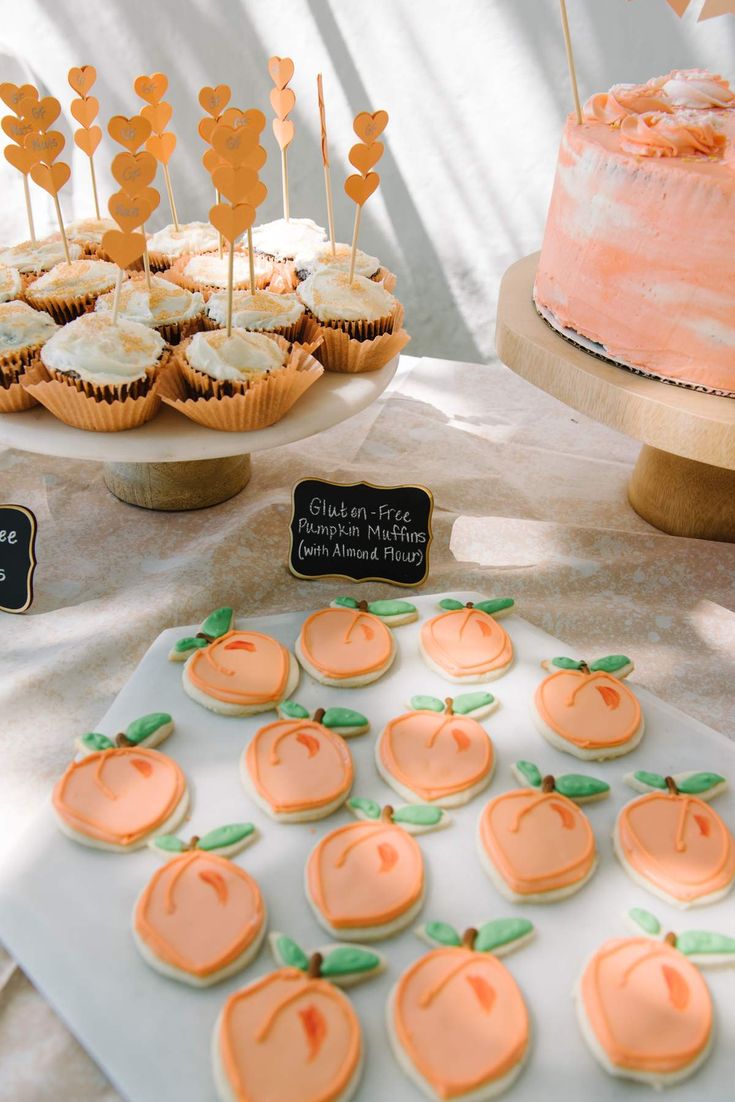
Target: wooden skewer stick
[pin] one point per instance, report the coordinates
(284, 174)
(94, 189)
(29, 208)
(170, 193)
(218, 200)
(570, 60)
(116, 299)
(230, 281)
(251, 259)
(65, 243)
(325, 162)
(355, 232)
(146, 260)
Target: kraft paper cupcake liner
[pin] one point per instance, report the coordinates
(290, 333)
(387, 278)
(240, 407)
(176, 274)
(62, 310)
(13, 397)
(177, 331)
(348, 355)
(284, 279)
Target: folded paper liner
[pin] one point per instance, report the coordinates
(370, 348)
(13, 396)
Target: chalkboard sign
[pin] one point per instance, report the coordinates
(17, 557)
(361, 532)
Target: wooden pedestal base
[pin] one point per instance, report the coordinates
(683, 497)
(172, 487)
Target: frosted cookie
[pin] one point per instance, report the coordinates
(300, 768)
(465, 643)
(350, 644)
(672, 843)
(292, 1034)
(149, 730)
(534, 842)
(234, 673)
(366, 881)
(457, 1022)
(644, 1009)
(438, 753)
(586, 710)
(200, 918)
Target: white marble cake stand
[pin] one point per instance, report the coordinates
(171, 463)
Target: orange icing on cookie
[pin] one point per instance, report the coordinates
(287, 1036)
(436, 755)
(466, 642)
(538, 841)
(119, 796)
(461, 1020)
(297, 765)
(199, 912)
(365, 874)
(590, 710)
(345, 642)
(647, 1005)
(241, 667)
(678, 843)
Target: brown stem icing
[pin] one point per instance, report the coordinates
(548, 784)
(387, 814)
(448, 706)
(319, 715)
(121, 739)
(672, 786)
(670, 939)
(468, 938)
(314, 970)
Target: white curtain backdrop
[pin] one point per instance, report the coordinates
(477, 91)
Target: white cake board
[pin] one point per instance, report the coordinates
(65, 910)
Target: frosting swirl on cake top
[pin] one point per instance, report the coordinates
(330, 296)
(89, 231)
(10, 283)
(240, 356)
(263, 310)
(320, 256)
(284, 240)
(99, 352)
(78, 278)
(656, 135)
(211, 269)
(38, 256)
(23, 327)
(191, 237)
(164, 303)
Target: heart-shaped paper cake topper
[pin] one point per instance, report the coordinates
(281, 70)
(231, 221)
(85, 111)
(42, 113)
(82, 79)
(211, 160)
(51, 177)
(129, 132)
(88, 140)
(123, 248)
(153, 88)
(360, 188)
(13, 94)
(234, 183)
(364, 156)
(252, 119)
(16, 128)
(161, 142)
(158, 115)
(47, 146)
(233, 146)
(283, 100)
(214, 100)
(129, 211)
(162, 146)
(134, 171)
(369, 127)
(136, 200)
(19, 156)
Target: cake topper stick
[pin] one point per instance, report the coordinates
(134, 203)
(46, 145)
(85, 111)
(161, 142)
(570, 59)
(16, 128)
(325, 162)
(282, 101)
(213, 101)
(364, 156)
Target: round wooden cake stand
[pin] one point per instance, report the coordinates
(684, 480)
(171, 463)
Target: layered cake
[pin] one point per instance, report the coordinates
(639, 250)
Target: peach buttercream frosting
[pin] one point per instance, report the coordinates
(23, 327)
(191, 237)
(329, 296)
(237, 358)
(263, 310)
(78, 278)
(164, 303)
(97, 351)
(677, 135)
(38, 256)
(285, 239)
(212, 269)
(10, 283)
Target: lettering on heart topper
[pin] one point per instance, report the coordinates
(160, 142)
(46, 145)
(283, 101)
(364, 156)
(17, 128)
(85, 110)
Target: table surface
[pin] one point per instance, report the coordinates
(530, 502)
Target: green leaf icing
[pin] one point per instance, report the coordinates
(576, 786)
(502, 931)
(170, 843)
(531, 772)
(225, 836)
(645, 920)
(610, 663)
(94, 741)
(343, 717)
(367, 807)
(427, 704)
(499, 605)
(345, 602)
(699, 782)
(189, 643)
(566, 663)
(471, 702)
(141, 729)
(293, 710)
(418, 815)
(451, 605)
(391, 608)
(700, 941)
(443, 933)
(292, 954)
(653, 780)
(347, 960)
(217, 623)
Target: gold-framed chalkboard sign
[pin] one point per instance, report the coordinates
(360, 531)
(17, 557)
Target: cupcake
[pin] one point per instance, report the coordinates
(318, 256)
(88, 234)
(169, 244)
(262, 312)
(238, 383)
(11, 283)
(23, 332)
(360, 323)
(98, 376)
(31, 258)
(174, 311)
(208, 272)
(69, 290)
(280, 241)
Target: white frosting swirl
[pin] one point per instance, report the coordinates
(320, 256)
(38, 256)
(261, 311)
(330, 296)
(284, 239)
(89, 231)
(211, 269)
(81, 277)
(191, 237)
(10, 283)
(102, 353)
(237, 357)
(697, 88)
(164, 303)
(23, 327)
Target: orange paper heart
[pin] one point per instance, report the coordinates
(214, 100)
(256, 158)
(281, 70)
(205, 128)
(369, 127)
(211, 160)
(257, 194)
(85, 111)
(22, 159)
(47, 146)
(232, 221)
(13, 94)
(233, 145)
(150, 196)
(360, 188)
(123, 248)
(134, 171)
(158, 116)
(153, 88)
(365, 157)
(129, 132)
(41, 112)
(16, 128)
(129, 211)
(51, 177)
(282, 101)
(88, 140)
(253, 119)
(234, 183)
(162, 146)
(82, 79)
(284, 132)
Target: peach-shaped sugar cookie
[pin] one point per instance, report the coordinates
(644, 1010)
(672, 843)
(300, 768)
(534, 842)
(200, 918)
(366, 881)
(586, 710)
(233, 672)
(437, 753)
(457, 1021)
(464, 643)
(292, 1034)
(350, 644)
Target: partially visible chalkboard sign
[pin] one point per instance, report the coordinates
(17, 557)
(361, 532)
